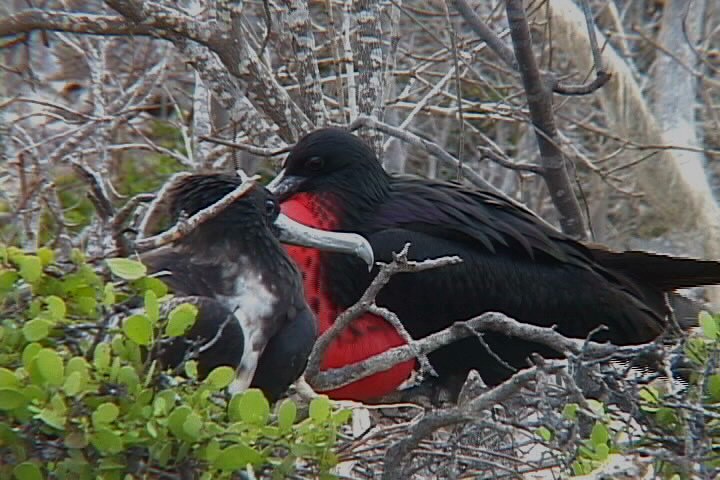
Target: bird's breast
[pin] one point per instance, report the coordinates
(313, 210)
(368, 335)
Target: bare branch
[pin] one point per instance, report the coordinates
(184, 227)
(541, 114)
(76, 22)
(431, 147)
(399, 264)
(487, 322)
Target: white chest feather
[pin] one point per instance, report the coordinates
(252, 305)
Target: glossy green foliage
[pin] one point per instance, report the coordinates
(81, 398)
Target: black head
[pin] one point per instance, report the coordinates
(198, 191)
(251, 214)
(251, 220)
(329, 159)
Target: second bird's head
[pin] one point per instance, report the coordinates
(255, 216)
(330, 159)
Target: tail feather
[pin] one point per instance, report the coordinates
(661, 271)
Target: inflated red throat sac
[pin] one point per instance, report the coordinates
(369, 335)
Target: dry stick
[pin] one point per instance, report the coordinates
(155, 209)
(255, 150)
(236, 55)
(308, 73)
(99, 195)
(458, 91)
(452, 416)
(184, 227)
(399, 264)
(541, 114)
(487, 322)
(430, 147)
(487, 35)
(30, 20)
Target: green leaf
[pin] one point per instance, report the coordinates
(251, 407)
(181, 319)
(86, 305)
(109, 294)
(212, 450)
(570, 411)
(27, 471)
(104, 414)
(50, 366)
(8, 378)
(649, 395)
(192, 426)
(342, 417)
(320, 408)
(76, 440)
(129, 377)
(36, 329)
(101, 358)
(46, 256)
(56, 307)
(596, 406)
(107, 441)
(126, 269)
(73, 384)
(29, 354)
(52, 418)
(7, 280)
(154, 284)
(601, 452)
(599, 435)
(77, 256)
(220, 377)
(191, 370)
(287, 412)
(30, 267)
(709, 326)
(152, 307)
(138, 329)
(713, 386)
(176, 421)
(10, 399)
(544, 433)
(237, 457)
(77, 364)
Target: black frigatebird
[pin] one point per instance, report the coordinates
(513, 262)
(252, 313)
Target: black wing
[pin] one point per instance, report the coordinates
(513, 263)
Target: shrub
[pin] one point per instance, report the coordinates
(81, 397)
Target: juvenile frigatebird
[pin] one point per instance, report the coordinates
(252, 313)
(513, 262)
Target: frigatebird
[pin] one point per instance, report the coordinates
(252, 314)
(513, 262)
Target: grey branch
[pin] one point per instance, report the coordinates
(487, 322)
(430, 147)
(185, 226)
(541, 114)
(466, 412)
(399, 264)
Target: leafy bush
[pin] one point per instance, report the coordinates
(81, 398)
(676, 429)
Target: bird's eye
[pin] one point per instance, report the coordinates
(270, 206)
(315, 164)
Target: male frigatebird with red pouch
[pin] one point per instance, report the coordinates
(252, 314)
(513, 262)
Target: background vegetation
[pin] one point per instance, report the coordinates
(103, 101)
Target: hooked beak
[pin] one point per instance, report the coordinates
(295, 233)
(284, 186)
